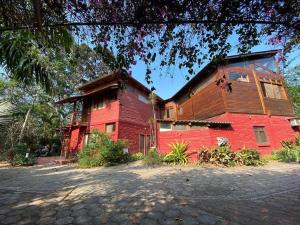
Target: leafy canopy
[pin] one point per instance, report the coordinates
(177, 32)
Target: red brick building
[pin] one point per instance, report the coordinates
(242, 98)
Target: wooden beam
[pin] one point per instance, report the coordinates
(261, 97)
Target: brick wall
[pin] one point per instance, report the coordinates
(134, 117)
(241, 133)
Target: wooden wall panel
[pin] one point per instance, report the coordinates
(204, 104)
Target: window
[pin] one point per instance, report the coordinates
(260, 135)
(272, 90)
(238, 76)
(180, 111)
(112, 96)
(98, 103)
(142, 98)
(179, 127)
(170, 112)
(197, 126)
(165, 126)
(110, 127)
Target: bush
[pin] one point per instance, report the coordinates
(290, 151)
(152, 158)
(178, 153)
(136, 156)
(248, 157)
(102, 151)
(223, 155)
(18, 156)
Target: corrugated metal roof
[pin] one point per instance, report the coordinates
(196, 121)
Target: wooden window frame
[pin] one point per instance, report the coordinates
(238, 72)
(257, 131)
(109, 124)
(272, 89)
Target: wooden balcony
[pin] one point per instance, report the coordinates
(75, 119)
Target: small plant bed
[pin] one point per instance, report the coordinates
(223, 156)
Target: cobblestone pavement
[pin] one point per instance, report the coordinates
(133, 194)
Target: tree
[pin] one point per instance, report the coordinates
(180, 32)
(293, 84)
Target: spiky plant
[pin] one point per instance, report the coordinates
(178, 154)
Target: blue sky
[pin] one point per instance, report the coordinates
(166, 86)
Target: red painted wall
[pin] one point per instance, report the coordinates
(134, 117)
(240, 134)
(277, 129)
(97, 120)
(130, 114)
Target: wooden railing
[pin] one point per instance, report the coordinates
(75, 118)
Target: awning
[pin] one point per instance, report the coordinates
(200, 122)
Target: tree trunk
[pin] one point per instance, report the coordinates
(24, 124)
(154, 125)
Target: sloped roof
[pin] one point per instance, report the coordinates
(213, 65)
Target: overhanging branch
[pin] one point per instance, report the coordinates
(140, 23)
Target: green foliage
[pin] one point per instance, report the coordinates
(290, 151)
(102, 151)
(248, 157)
(178, 154)
(153, 158)
(136, 156)
(224, 156)
(18, 157)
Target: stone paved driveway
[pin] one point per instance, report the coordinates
(133, 194)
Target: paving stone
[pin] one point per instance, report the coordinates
(47, 220)
(11, 219)
(65, 220)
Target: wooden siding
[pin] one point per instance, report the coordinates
(244, 97)
(204, 104)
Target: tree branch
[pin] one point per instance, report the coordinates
(140, 23)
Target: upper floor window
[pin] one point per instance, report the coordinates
(98, 103)
(272, 90)
(170, 112)
(260, 135)
(142, 98)
(238, 76)
(110, 127)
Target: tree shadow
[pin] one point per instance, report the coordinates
(134, 194)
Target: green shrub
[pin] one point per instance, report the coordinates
(223, 155)
(102, 151)
(153, 158)
(248, 157)
(290, 151)
(136, 156)
(178, 154)
(18, 156)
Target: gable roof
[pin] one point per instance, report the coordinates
(213, 65)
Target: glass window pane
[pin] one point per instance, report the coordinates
(179, 127)
(165, 125)
(238, 76)
(110, 127)
(260, 135)
(269, 91)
